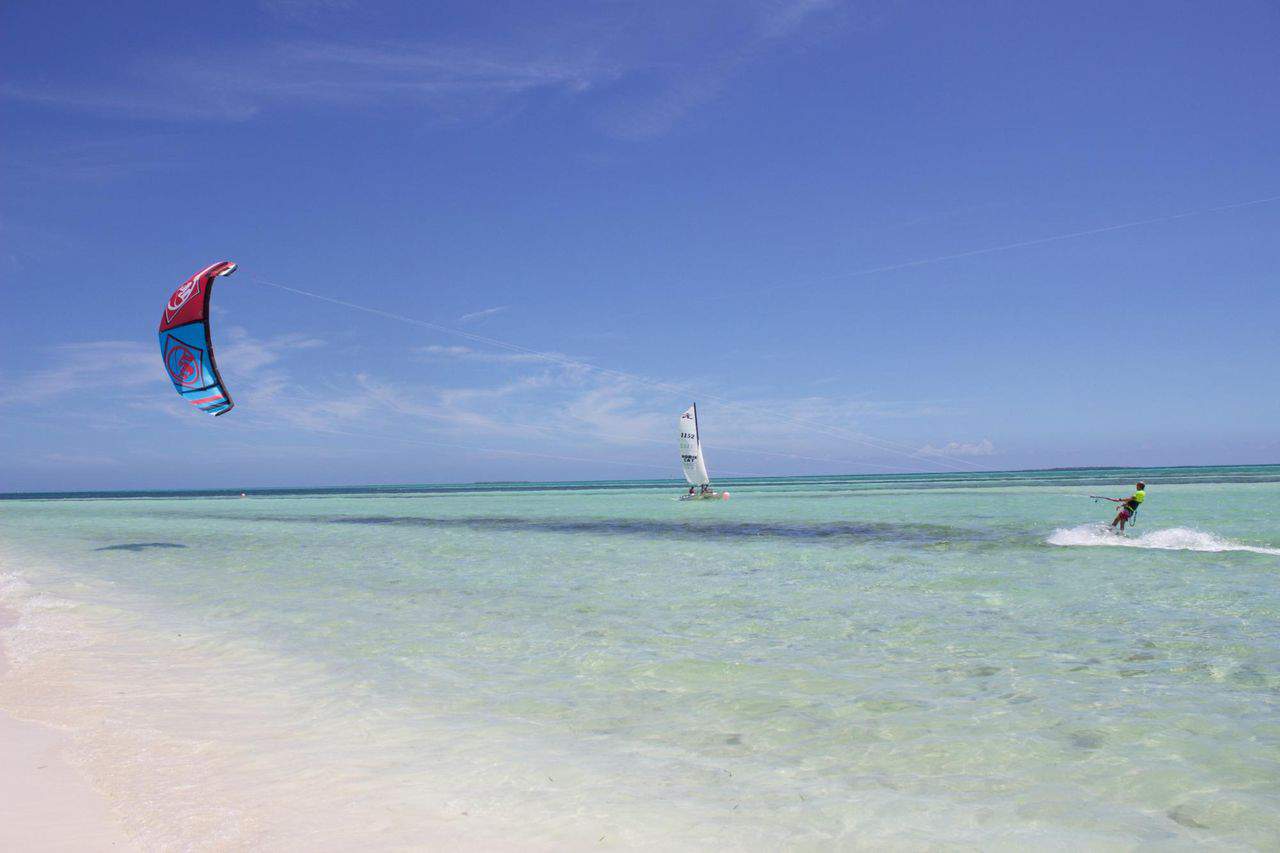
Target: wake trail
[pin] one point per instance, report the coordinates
(1169, 539)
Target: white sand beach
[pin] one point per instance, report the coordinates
(45, 804)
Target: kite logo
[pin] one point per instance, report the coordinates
(184, 363)
(180, 297)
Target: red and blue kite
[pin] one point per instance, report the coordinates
(186, 346)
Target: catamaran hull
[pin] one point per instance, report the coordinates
(713, 496)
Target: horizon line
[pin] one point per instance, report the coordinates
(654, 483)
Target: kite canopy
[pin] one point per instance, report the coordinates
(186, 345)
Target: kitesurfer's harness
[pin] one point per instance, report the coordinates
(1131, 503)
(1132, 506)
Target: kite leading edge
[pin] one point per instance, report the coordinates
(186, 345)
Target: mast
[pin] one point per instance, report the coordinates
(702, 460)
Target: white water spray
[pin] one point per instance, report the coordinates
(1169, 539)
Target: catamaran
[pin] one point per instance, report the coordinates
(691, 458)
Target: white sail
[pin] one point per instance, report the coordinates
(695, 466)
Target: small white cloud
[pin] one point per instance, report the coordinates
(305, 11)
(446, 352)
(78, 460)
(248, 354)
(961, 448)
(485, 313)
(435, 351)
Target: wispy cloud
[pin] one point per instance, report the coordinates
(960, 448)
(455, 81)
(620, 414)
(555, 407)
(530, 406)
(639, 75)
(712, 47)
(92, 161)
(95, 366)
(548, 409)
(113, 370)
(484, 313)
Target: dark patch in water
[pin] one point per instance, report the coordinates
(139, 546)
(1178, 815)
(692, 530)
(1087, 740)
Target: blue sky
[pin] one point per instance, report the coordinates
(780, 209)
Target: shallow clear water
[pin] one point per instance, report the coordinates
(872, 661)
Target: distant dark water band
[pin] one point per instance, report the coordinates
(692, 529)
(687, 530)
(140, 546)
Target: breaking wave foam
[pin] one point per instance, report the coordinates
(1170, 539)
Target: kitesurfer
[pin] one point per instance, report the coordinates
(1128, 506)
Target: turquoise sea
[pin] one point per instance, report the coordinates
(900, 662)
